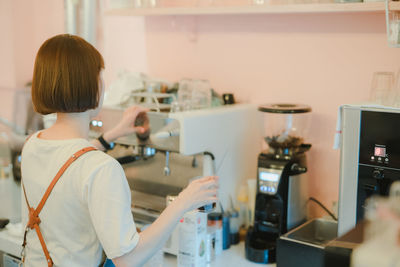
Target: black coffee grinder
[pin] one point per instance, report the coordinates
(281, 185)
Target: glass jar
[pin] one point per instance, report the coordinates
(285, 126)
(392, 23)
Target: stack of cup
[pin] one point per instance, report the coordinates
(192, 94)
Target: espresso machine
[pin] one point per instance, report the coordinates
(369, 158)
(281, 185)
(180, 146)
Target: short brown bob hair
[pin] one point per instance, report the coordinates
(66, 76)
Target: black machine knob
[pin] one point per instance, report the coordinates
(378, 174)
(298, 169)
(370, 188)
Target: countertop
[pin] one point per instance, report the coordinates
(234, 256)
(11, 243)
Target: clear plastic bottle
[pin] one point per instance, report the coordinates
(234, 227)
(234, 224)
(226, 233)
(242, 198)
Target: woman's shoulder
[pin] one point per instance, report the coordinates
(99, 159)
(97, 167)
(101, 171)
(99, 162)
(63, 149)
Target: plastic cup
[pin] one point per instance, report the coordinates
(382, 88)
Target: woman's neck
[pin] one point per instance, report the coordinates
(69, 126)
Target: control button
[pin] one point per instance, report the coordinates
(379, 158)
(372, 158)
(377, 174)
(386, 160)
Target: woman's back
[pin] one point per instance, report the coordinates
(90, 204)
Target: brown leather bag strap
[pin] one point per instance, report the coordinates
(44, 247)
(26, 198)
(34, 219)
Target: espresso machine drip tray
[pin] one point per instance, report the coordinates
(305, 246)
(149, 199)
(150, 187)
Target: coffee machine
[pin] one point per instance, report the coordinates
(182, 145)
(369, 158)
(281, 185)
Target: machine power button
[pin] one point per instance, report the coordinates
(377, 174)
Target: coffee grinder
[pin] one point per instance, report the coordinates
(281, 186)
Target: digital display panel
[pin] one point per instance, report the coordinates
(380, 151)
(269, 177)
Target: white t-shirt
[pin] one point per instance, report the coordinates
(88, 210)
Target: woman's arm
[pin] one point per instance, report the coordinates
(198, 193)
(125, 127)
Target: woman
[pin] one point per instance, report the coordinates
(89, 208)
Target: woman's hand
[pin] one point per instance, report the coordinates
(126, 125)
(198, 193)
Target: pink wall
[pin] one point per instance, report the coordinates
(24, 25)
(7, 65)
(323, 60)
(124, 45)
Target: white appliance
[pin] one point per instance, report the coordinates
(369, 158)
(224, 140)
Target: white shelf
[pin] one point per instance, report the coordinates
(260, 9)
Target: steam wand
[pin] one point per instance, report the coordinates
(167, 170)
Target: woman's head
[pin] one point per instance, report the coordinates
(66, 76)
